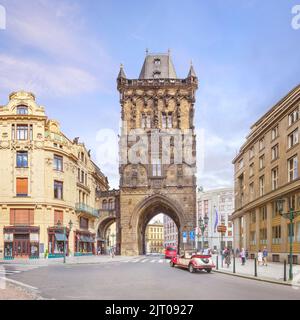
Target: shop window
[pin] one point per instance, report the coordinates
(22, 187)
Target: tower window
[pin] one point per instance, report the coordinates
(156, 74)
(157, 62)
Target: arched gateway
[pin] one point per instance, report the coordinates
(157, 151)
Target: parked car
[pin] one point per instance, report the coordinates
(193, 262)
(170, 252)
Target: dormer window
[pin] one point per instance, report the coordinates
(157, 62)
(22, 110)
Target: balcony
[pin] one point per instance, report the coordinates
(84, 208)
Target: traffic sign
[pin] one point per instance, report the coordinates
(222, 229)
(184, 237)
(192, 235)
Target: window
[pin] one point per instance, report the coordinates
(262, 162)
(156, 169)
(170, 121)
(58, 163)
(22, 187)
(251, 153)
(275, 152)
(293, 138)
(275, 133)
(252, 238)
(292, 169)
(22, 159)
(261, 143)
(253, 217)
(157, 62)
(104, 205)
(262, 185)
(146, 121)
(276, 235)
(164, 121)
(298, 231)
(294, 116)
(22, 132)
(22, 217)
(156, 74)
(263, 236)
(241, 164)
(251, 170)
(274, 175)
(263, 213)
(291, 231)
(84, 223)
(22, 110)
(275, 212)
(58, 217)
(58, 190)
(251, 188)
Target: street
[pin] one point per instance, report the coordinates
(144, 278)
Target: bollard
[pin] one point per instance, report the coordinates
(255, 267)
(284, 268)
(217, 263)
(233, 264)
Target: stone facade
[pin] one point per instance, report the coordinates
(267, 169)
(46, 182)
(155, 103)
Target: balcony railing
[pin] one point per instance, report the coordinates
(82, 207)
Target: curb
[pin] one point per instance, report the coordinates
(255, 278)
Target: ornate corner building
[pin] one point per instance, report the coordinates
(155, 105)
(49, 186)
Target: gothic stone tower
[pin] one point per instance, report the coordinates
(156, 104)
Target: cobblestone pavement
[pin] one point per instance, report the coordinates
(12, 292)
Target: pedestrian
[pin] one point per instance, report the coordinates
(226, 254)
(265, 256)
(237, 252)
(99, 251)
(243, 256)
(112, 252)
(247, 254)
(259, 257)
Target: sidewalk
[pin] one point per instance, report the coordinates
(272, 272)
(69, 260)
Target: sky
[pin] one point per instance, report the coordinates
(68, 53)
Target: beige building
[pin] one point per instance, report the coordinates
(267, 169)
(155, 238)
(49, 185)
(170, 232)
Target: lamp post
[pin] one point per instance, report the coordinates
(65, 235)
(203, 225)
(291, 215)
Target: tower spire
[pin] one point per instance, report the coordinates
(192, 72)
(122, 74)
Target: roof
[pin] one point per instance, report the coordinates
(158, 66)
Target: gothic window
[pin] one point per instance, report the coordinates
(156, 74)
(164, 121)
(156, 169)
(170, 120)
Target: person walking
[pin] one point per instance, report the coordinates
(243, 256)
(260, 258)
(112, 252)
(227, 257)
(265, 256)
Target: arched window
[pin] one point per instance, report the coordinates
(111, 204)
(22, 110)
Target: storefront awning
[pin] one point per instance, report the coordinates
(86, 239)
(60, 237)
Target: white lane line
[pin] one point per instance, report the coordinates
(19, 283)
(161, 261)
(9, 271)
(143, 261)
(153, 261)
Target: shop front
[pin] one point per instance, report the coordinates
(85, 243)
(21, 243)
(58, 242)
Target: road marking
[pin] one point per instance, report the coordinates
(19, 283)
(9, 271)
(161, 261)
(153, 261)
(143, 261)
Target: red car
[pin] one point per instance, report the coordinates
(193, 262)
(170, 252)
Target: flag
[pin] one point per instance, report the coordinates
(217, 220)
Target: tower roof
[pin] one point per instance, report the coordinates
(158, 66)
(192, 72)
(122, 73)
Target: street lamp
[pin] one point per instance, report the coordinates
(202, 225)
(291, 215)
(59, 224)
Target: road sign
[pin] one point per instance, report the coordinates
(222, 229)
(184, 237)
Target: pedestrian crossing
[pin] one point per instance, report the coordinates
(147, 260)
(9, 270)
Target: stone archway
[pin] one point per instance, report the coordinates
(103, 225)
(146, 210)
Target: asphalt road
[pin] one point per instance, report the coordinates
(150, 278)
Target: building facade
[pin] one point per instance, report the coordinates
(156, 104)
(217, 205)
(267, 169)
(155, 238)
(48, 185)
(170, 232)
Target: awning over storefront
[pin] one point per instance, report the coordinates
(60, 237)
(86, 239)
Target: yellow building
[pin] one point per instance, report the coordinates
(266, 170)
(48, 187)
(155, 238)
